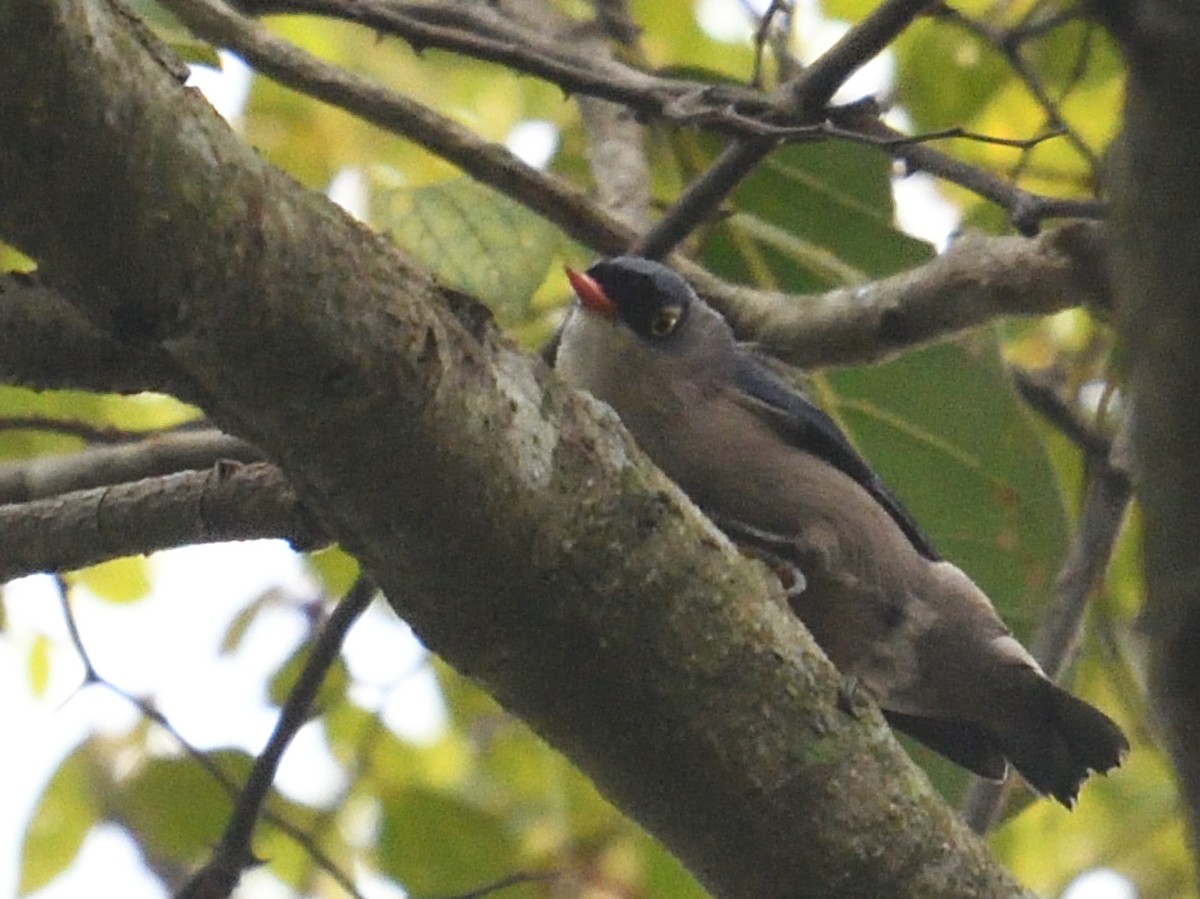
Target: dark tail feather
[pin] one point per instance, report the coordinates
(1059, 741)
(963, 742)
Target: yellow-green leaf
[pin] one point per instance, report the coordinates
(472, 238)
(39, 664)
(433, 843)
(336, 569)
(123, 580)
(64, 814)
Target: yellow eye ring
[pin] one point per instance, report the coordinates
(665, 320)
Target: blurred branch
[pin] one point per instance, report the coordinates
(161, 453)
(230, 501)
(1155, 189)
(69, 427)
(504, 883)
(615, 150)
(233, 853)
(1044, 400)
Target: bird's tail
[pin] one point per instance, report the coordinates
(1060, 741)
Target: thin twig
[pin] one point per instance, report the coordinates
(806, 96)
(1009, 46)
(1027, 211)
(766, 25)
(206, 764)
(71, 428)
(504, 883)
(233, 853)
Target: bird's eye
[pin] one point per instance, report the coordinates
(665, 320)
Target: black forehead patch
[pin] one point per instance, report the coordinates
(640, 288)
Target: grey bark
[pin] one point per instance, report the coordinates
(1156, 270)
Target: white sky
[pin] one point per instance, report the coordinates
(165, 645)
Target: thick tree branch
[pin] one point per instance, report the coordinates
(510, 520)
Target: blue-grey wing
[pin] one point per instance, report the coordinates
(808, 428)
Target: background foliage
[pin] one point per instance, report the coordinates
(485, 800)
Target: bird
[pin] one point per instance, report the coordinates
(784, 483)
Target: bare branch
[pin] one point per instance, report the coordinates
(228, 502)
(1008, 43)
(974, 281)
(1025, 210)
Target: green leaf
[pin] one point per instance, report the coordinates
(946, 76)
(433, 843)
(123, 580)
(945, 430)
(814, 216)
(237, 628)
(174, 808)
(64, 814)
(473, 239)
